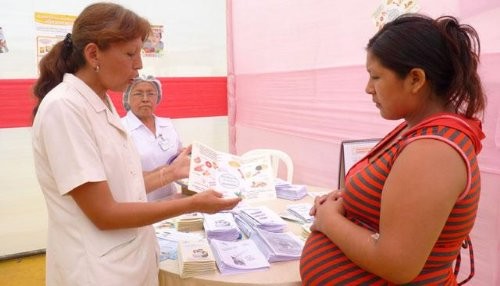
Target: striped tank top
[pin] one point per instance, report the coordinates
(323, 263)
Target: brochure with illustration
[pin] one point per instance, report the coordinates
(238, 256)
(278, 246)
(249, 177)
(195, 257)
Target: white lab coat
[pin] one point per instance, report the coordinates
(77, 139)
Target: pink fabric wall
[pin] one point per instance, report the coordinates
(296, 81)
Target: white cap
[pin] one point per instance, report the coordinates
(142, 78)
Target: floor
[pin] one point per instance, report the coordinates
(24, 271)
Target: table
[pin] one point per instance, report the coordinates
(284, 273)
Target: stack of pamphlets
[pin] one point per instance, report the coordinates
(301, 212)
(262, 217)
(238, 256)
(195, 257)
(168, 249)
(190, 222)
(174, 235)
(243, 225)
(288, 191)
(168, 238)
(221, 226)
(278, 246)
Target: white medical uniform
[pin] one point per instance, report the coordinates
(77, 139)
(155, 150)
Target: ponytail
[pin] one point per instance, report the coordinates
(462, 42)
(447, 51)
(100, 23)
(52, 68)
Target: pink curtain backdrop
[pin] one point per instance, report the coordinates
(296, 81)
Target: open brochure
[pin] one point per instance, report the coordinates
(250, 177)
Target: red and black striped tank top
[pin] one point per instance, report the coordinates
(323, 263)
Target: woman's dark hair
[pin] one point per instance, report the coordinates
(99, 23)
(447, 52)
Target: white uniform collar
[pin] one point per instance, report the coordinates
(134, 122)
(94, 100)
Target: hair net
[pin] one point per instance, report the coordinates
(143, 78)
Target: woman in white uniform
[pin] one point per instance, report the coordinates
(155, 137)
(88, 168)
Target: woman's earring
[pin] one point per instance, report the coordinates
(96, 68)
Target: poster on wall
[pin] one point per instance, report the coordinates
(154, 45)
(3, 42)
(50, 29)
(388, 10)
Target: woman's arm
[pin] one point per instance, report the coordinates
(418, 196)
(96, 201)
(164, 175)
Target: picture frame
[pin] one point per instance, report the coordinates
(351, 151)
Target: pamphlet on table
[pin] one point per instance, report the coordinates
(278, 246)
(195, 257)
(221, 226)
(238, 256)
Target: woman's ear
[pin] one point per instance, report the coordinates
(417, 79)
(90, 53)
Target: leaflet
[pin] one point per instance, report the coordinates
(250, 177)
(238, 256)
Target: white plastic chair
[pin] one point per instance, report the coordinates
(277, 156)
